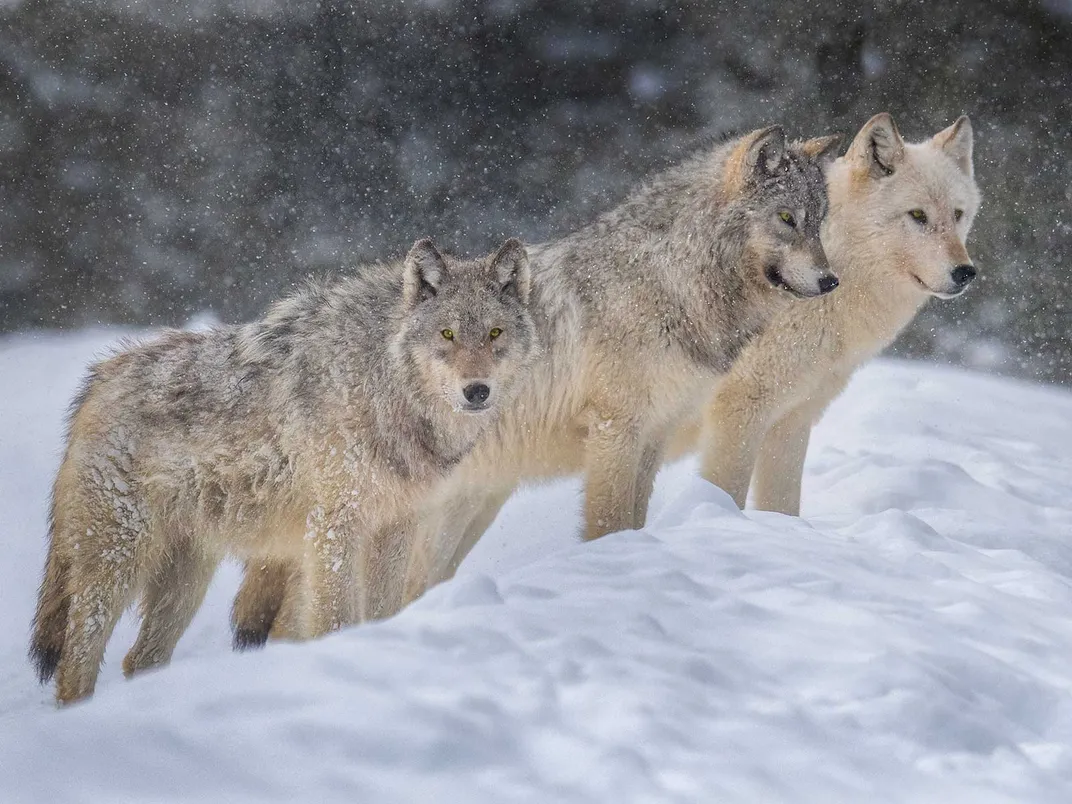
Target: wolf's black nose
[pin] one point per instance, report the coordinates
(963, 274)
(476, 393)
(827, 283)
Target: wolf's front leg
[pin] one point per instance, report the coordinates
(780, 464)
(651, 459)
(434, 522)
(460, 528)
(385, 557)
(613, 456)
(734, 425)
(270, 602)
(331, 565)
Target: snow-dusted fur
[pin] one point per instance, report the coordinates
(641, 312)
(899, 217)
(297, 436)
(889, 265)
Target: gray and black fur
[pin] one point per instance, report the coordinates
(679, 241)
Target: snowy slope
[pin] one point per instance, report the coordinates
(909, 640)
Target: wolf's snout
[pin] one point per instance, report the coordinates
(827, 283)
(962, 275)
(476, 393)
(802, 278)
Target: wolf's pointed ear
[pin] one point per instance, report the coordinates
(822, 149)
(424, 270)
(957, 142)
(754, 156)
(878, 147)
(510, 267)
(764, 151)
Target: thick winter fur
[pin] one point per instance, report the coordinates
(296, 437)
(641, 312)
(899, 217)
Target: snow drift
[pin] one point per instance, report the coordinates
(909, 639)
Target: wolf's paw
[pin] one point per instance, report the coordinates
(245, 638)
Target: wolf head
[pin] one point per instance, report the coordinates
(911, 204)
(781, 188)
(468, 330)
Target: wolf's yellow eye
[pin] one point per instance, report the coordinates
(448, 334)
(787, 217)
(958, 214)
(495, 333)
(918, 215)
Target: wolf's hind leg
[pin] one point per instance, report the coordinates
(101, 584)
(292, 618)
(172, 597)
(268, 604)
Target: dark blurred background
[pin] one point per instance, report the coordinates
(159, 159)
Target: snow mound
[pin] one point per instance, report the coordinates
(908, 640)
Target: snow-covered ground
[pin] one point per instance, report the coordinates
(908, 640)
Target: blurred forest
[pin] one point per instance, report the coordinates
(159, 158)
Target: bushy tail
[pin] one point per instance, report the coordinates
(53, 598)
(50, 621)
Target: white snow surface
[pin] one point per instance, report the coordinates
(908, 640)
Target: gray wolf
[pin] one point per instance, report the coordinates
(900, 214)
(640, 313)
(294, 437)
